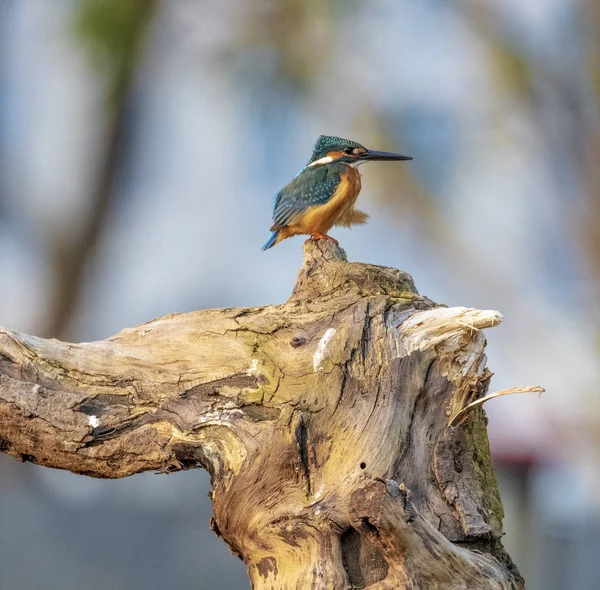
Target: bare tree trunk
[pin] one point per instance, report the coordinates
(73, 251)
(324, 423)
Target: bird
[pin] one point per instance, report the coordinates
(323, 193)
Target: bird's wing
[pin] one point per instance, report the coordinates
(313, 186)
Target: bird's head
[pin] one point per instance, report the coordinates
(335, 149)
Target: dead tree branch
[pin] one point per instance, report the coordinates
(324, 423)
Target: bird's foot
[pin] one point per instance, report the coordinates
(320, 236)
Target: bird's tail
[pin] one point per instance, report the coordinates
(271, 241)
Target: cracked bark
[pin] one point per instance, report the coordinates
(324, 424)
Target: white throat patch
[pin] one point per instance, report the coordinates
(357, 163)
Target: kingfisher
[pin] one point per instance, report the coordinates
(324, 191)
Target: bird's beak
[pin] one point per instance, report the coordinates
(373, 155)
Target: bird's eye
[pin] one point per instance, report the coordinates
(348, 150)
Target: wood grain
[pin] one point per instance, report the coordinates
(323, 423)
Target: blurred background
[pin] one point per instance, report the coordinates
(141, 143)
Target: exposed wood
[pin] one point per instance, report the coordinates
(461, 413)
(323, 423)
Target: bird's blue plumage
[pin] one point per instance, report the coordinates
(271, 241)
(327, 143)
(332, 161)
(313, 186)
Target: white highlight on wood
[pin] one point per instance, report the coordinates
(93, 421)
(320, 491)
(253, 370)
(425, 328)
(324, 160)
(219, 416)
(319, 355)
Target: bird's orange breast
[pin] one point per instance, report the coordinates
(339, 210)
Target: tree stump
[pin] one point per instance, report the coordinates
(324, 423)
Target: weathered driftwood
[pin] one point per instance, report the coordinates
(324, 423)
